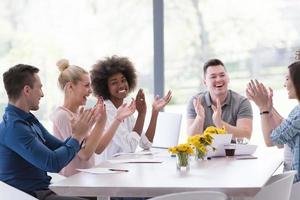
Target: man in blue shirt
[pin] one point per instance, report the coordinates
(27, 150)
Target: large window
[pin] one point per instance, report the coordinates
(41, 32)
(255, 39)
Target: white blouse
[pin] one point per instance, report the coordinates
(125, 139)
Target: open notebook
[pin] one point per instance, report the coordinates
(167, 130)
(221, 139)
(218, 143)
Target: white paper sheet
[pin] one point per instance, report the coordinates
(139, 153)
(101, 170)
(140, 160)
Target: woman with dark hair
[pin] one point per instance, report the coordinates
(113, 79)
(276, 130)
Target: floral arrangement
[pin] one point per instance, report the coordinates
(183, 151)
(214, 130)
(202, 141)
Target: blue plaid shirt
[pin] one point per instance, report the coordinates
(288, 132)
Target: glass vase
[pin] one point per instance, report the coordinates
(200, 155)
(183, 162)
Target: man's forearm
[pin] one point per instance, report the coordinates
(237, 131)
(195, 126)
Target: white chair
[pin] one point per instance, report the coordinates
(167, 129)
(195, 195)
(8, 192)
(295, 193)
(277, 188)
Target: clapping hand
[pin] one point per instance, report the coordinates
(100, 111)
(259, 94)
(217, 115)
(159, 103)
(198, 107)
(125, 110)
(83, 123)
(140, 102)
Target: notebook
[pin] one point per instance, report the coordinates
(167, 130)
(221, 139)
(218, 143)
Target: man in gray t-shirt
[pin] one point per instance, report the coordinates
(219, 106)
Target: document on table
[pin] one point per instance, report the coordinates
(143, 160)
(139, 153)
(102, 170)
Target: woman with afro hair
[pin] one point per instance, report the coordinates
(113, 79)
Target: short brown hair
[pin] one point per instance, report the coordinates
(294, 70)
(104, 69)
(17, 77)
(212, 62)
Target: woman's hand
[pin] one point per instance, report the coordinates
(100, 111)
(259, 94)
(125, 110)
(159, 103)
(82, 124)
(140, 102)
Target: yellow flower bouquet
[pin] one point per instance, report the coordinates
(214, 130)
(182, 151)
(202, 141)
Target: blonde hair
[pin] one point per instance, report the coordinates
(68, 73)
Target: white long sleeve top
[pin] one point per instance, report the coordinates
(125, 139)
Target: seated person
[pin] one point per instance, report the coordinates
(113, 79)
(27, 149)
(276, 130)
(75, 83)
(219, 106)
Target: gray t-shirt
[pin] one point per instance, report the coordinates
(235, 107)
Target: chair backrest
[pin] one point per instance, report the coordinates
(295, 193)
(194, 195)
(167, 129)
(277, 188)
(8, 192)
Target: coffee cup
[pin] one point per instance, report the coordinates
(229, 149)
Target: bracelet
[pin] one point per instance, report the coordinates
(264, 112)
(82, 144)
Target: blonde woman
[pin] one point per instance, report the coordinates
(74, 81)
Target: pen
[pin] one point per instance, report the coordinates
(119, 170)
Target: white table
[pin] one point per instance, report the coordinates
(234, 177)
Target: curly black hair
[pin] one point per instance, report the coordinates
(104, 69)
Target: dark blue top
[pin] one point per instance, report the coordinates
(28, 151)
